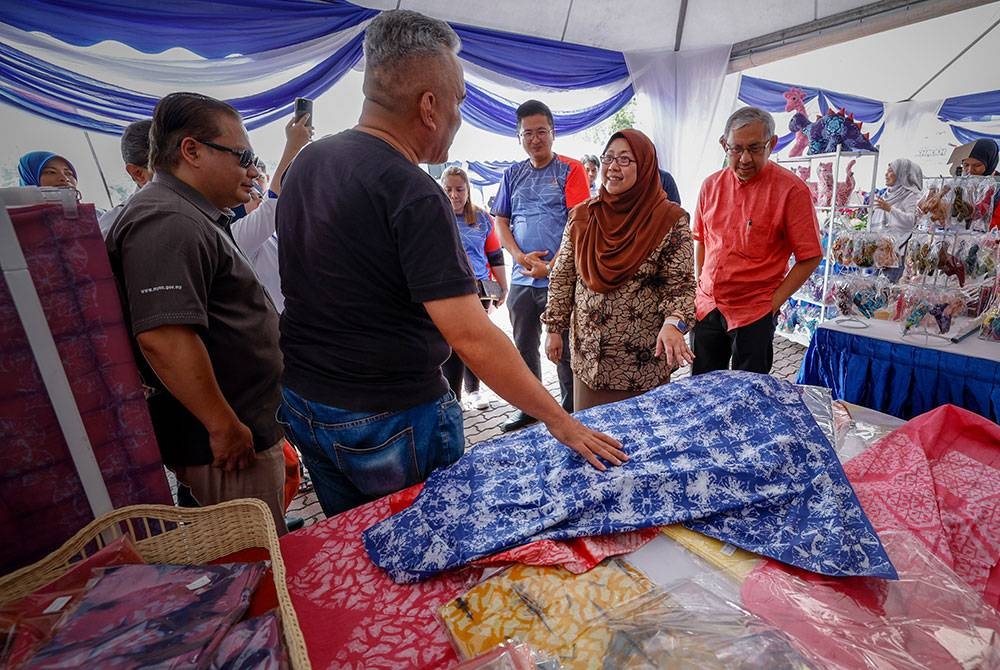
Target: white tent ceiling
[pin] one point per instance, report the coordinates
(631, 25)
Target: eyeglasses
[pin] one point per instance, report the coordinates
(623, 161)
(532, 134)
(246, 156)
(754, 149)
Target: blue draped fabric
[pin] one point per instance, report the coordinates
(559, 65)
(209, 29)
(864, 109)
(972, 107)
(736, 454)
(964, 135)
(490, 172)
(496, 114)
(769, 95)
(900, 379)
(27, 81)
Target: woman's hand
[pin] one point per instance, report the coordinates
(671, 344)
(554, 347)
(883, 205)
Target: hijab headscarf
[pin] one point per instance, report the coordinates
(30, 167)
(985, 151)
(614, 234)
(909, 180)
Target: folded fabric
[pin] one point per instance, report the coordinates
(548, 608)
(928, 618)
(140, 616)
(253, 644)
(938, 477)
(737, 455)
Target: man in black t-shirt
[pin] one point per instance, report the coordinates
(377, 286)
(206, 335)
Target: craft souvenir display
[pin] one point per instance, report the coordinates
(825, 185)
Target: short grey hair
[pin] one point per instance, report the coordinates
(397, 35)
(744, 116)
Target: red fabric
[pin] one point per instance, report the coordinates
(42, 502)
(351, 614)
(748, 230)
(32, 626)
(931, 489)
(293, 473)
(265, 596)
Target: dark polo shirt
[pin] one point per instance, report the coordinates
(176, 263)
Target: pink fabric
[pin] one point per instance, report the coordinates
(42, 502)
(931, 489)
(938, 477)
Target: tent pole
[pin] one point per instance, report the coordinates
(681, 17)
(952, 61)
(100, 170)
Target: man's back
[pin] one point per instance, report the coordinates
(366, 237)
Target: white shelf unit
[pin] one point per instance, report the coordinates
(826, 214)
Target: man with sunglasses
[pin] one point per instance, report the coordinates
(751, 217)
(205, 334)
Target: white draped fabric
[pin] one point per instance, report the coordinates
(681, 91)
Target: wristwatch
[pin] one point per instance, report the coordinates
(678, 324)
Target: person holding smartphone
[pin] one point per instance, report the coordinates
(482, 246)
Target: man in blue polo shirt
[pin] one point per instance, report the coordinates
(531, 209)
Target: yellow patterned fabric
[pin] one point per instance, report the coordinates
(733, 560)
(545, 607)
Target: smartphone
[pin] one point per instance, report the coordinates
(304, 106)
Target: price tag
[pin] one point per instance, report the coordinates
(57, 604)
(198, 583)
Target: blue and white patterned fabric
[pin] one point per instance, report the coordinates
(737, 455)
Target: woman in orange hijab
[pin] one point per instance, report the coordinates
(623, 281)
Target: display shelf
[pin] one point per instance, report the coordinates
(834, 154)
(827, 221)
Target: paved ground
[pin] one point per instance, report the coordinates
(483, 424)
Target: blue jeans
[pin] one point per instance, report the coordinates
(356, 457)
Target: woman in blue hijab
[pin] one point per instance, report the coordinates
(44, 168)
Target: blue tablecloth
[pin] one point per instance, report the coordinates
(877, 368)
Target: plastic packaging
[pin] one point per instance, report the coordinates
(542, 606)
(164, 616)
(509, 655)
(928, 618)
(685, 625)
(254, 643)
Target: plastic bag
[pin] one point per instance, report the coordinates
(542, 606)
(167, 616)
(686, 625)
(928, 618)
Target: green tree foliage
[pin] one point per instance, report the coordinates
(623, 118)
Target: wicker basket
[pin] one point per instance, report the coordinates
(164, 534)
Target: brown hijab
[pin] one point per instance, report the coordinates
(614, 234)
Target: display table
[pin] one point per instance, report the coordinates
(903, 376)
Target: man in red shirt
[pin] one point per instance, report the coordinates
(751, 217)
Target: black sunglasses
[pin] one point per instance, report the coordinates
(246, 156)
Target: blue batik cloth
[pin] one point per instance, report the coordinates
(736, 455)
